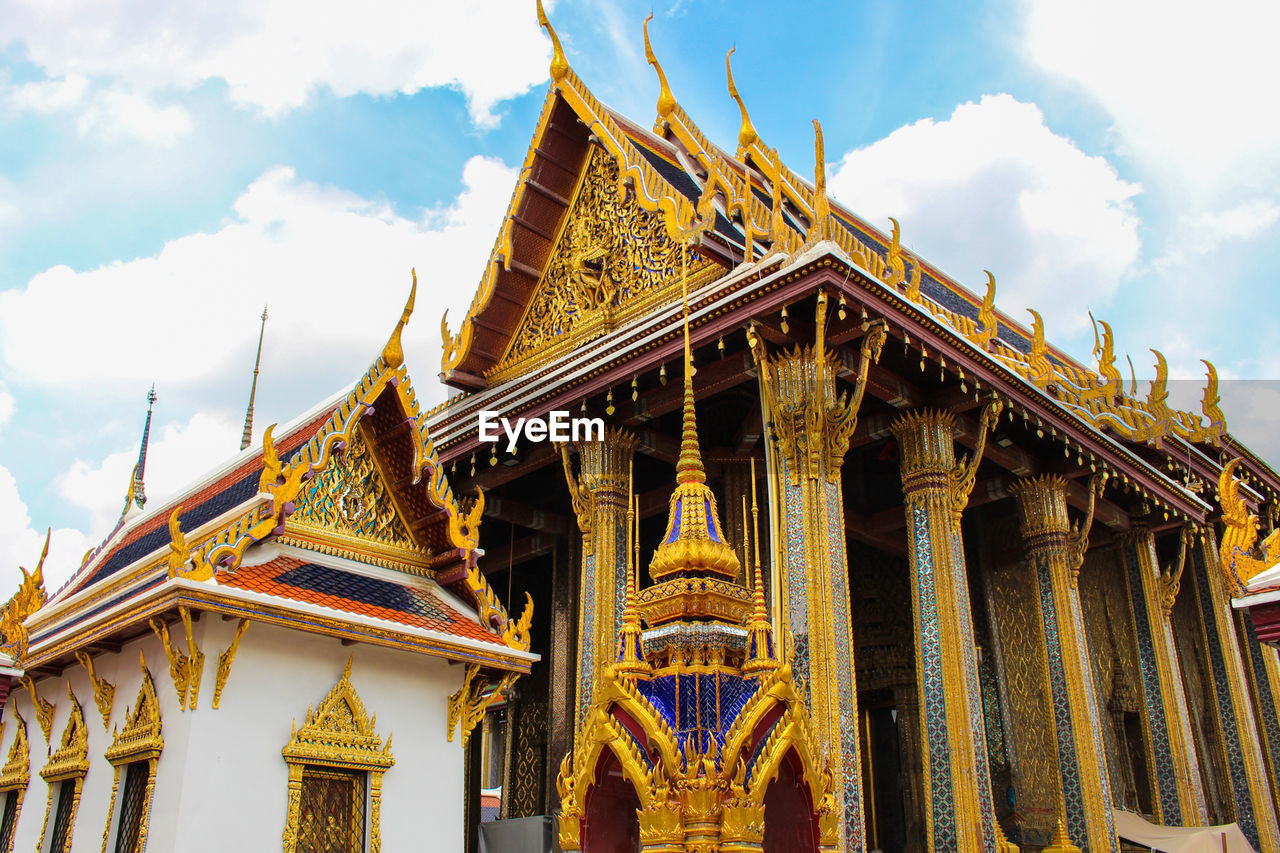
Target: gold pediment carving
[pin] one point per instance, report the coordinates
(612, 259)
(348, 507)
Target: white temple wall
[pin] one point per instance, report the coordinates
(221, 780)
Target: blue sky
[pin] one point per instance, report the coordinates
(166, 169)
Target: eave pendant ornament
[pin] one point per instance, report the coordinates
(672, 773)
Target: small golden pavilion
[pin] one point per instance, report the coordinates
(861, 562)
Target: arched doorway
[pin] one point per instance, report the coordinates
(610, 823)
(790, 825)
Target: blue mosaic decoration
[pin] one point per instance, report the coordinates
(1068, 766)
(587, 638)
(849, 737)
(1095, 719)
(797, 585)
(1157, 724)
(974, 691)
(699, 707)
(1226, 708)
(1266, 699)
(935, 705)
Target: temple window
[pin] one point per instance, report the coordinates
(336, 761)
(14, 777)
(65, 774)
(134, 754)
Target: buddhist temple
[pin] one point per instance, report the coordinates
(848, 558)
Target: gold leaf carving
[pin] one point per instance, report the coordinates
(225, 660)
(610, 254)
(350, 497)
(104, 692)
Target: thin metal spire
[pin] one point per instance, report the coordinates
(137, 494)
(253, 390)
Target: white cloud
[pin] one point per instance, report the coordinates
(177, 456)
(115, 115)
(275, 54)
(109, 113)
(7, 406)
(1189, 87)
(20, 544)
(992, 187)
(332, 266)
(48, 96)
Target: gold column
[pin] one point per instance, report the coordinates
(1055, 550)
(1179, 794)
(1264, 678)
(599, 495)
(1238, 729)
(812, 424)
(959, 811)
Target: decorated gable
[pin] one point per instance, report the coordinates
(348, 508)
(612, 259)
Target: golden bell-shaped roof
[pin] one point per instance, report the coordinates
(694, 543)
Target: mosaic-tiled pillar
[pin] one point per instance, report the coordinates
(814, 579)
(1264, 678)
(560, 693)
(959, 812)
(599, 492)
(1054, 552)
(1238, 732)
(810, 424)
(1179, 794)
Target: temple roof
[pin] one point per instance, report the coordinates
(757, 208)
(355, 493)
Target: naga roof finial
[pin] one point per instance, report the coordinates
(247, 437)
(559, 65)
(393, 352)
(820, 229)
(666, 100)
(747, 135)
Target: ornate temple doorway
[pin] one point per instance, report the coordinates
(790, 825)
(610, 824)
(882, 776)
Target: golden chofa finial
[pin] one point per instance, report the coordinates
(747, 135)
(559, 65)
(393, 352)
(820, 229)
(666, 100)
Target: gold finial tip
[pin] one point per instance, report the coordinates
(666, 100)
(393, 352)
(559, 65)
(747, 135)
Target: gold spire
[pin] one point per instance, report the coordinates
(693, 541)
(559, 65)
(760, 630)
(666, 100)
(747, 135)
(689, 466)
(393, 352)
(247, 437)
(631, 660)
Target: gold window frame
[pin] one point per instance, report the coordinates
(338, 734)
(141, 739)
(68, 763)
(16, 774)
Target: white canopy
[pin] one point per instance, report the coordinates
(1182, 839)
